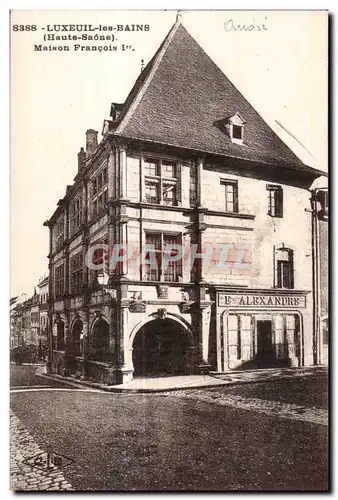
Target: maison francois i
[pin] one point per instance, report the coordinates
(184, 160)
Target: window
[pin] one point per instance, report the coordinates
(231, 195)
(233, 337)
(161, 182)
(59, 280)
(285, 268)
(193, 186)
(237, 132)
(75, 214)
(275, 198)
(59, 233)
(98, 259)
(99, 193)
(76, 268)
(171, 270)
(234, 125)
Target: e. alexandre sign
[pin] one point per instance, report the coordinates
(243, 300)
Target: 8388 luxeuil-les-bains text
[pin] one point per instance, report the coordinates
(89, 33)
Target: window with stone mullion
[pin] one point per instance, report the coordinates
(162, 182)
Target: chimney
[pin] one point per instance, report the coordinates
(81, 158)
(91, 142)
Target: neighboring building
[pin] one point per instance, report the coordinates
(15, 322)
(43, 314)
(186, 161)
(26, 310)
(35, 319)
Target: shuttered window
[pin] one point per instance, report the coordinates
(230, 195)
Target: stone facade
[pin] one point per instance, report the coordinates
(199, 315)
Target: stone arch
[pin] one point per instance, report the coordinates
(59, 324)
(99, 345)
(161, 345)
(75, 338)
(175, 317)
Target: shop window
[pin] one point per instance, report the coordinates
(246, 348)
(233, 337)
(290, 328)
(279, 336)
(285, 271)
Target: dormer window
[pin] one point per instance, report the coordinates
(237, 132)
(235, 128)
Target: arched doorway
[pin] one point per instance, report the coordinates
(60, 336)
(99, 347)
(76, 338)
(162, 347)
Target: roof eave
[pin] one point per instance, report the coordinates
(301, 167)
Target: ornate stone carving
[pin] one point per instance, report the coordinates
(161, 313)
(162, 291)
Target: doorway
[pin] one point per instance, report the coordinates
(161, 348)
(266, 356)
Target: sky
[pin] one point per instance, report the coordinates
(56, 96)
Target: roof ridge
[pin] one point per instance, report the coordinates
(143, 88)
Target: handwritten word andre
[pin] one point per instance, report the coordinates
(232, 25)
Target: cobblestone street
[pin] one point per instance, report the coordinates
(26, 477)
(272, 408)
(267, 436)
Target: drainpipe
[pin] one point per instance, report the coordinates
(316, 277)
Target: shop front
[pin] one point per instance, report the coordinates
(262, 329)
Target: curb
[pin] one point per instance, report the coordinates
(119, 390)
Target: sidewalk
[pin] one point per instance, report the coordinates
(214, 379)
(29, 469)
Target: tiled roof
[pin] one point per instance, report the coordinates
(180, 99)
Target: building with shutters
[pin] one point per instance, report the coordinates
(184, 163)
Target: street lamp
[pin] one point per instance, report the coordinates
(103, 279)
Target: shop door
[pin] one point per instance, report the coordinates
(265, 353)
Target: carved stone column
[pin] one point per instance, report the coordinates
(200, 194)
(123, 171)
(85, 342)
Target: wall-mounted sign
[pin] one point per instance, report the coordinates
(236, 300)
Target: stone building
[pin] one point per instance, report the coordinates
(43, 314)
(35, 319)
(184, 164)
